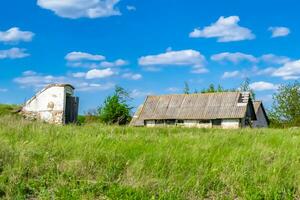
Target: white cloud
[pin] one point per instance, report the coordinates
(173, 89)
(290, 70)
(29, 73)
(232, 74)
(38, 81)
(233, 57)
(82, 56)
(81, 8)
(13, 53)
(261, 86)
(15, 35)
(139, 94)
(131, 8)
(117, 63)
(83, 59)
(96, 73)
(79, 75)
(266, 71)
(279, 31)
(86, 87)
(132, 76)
(274, 59)
(3, 90)
(225, 29)
(175, 58)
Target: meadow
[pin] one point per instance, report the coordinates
(95, 161)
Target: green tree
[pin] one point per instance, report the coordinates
(115, 109)
(286, 105)
(186, 89)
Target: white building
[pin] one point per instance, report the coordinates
(221, 109)
(54, 104)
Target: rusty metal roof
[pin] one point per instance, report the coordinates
(222, 105)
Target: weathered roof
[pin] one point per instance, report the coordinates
(222, 105)
(257, 105)
(46, 88)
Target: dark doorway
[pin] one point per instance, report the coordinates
(216, 123)
(71, 111)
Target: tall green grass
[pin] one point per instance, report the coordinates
(40, 161)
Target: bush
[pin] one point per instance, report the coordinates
(6, 109)
(115, 109)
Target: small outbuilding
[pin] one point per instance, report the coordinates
(223, 110)
(262, 120)
(55, 104)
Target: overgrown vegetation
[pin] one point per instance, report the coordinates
(285, 111)
(116, 109)
(94, 161)
(244, 87)
(8, 109)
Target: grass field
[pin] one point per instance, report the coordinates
(40, 161)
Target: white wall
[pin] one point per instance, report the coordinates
(226, 124)
(261, 121)
(230, 123)
(150, 123)
(195, 123)
(47, 106)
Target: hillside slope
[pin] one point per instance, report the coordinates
(105, 162)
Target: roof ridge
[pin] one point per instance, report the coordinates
(207, 93)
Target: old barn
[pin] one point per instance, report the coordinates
(55, 104)
(224, 110)
(262, 120)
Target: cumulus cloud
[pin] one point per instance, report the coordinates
(36, 80)
(97, 73)
(15, 35)
(117, 63)
(290, 70)
(131, 8)
(238, 57)
(279, 31)
(79, 75)
(132, 76)
(274, 59)
(233, 57)
(81, 8)
(232, 74)
(226, 29)
(265, 71)
(139, 94)
(86, 87)
(175, 58)
(13, 53)
(82, 56)
(261, 86)
(3, 90)
(173, 89)
(83, 59)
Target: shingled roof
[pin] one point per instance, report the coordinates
(222, 105)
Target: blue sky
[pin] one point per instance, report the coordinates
(148, 47)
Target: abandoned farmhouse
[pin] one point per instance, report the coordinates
(223, 110)
(55, 104)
